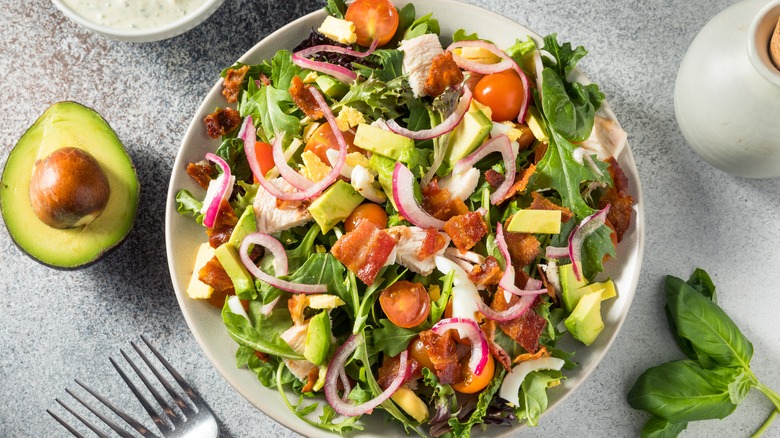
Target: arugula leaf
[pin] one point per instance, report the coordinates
(296, 257)
(187, 205)
(597, 245)
(564, 57)
(283, 69)
(421, 26)
(533, 391)
(232, 151)
(391, 339)
(264, 369)
(244, 334)
(336, 8)
(461, 35)
(657, 427)
(463, 429)
(323, 268)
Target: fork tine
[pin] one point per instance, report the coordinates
(65, 425)
(140, 428)
(86, 422)
(179, 379)
(123, 433)
(175, 395)
(167, 409)
(161, 424)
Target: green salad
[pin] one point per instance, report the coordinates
(403, 221)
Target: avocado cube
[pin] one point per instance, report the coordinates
(331, 87)
(468, 135)
(537, 125)
(246, 225)
(585, 321)
(385, 143)
(570, 286)
(536, 222)
(334, 205)
(317, 344)
(606, 288)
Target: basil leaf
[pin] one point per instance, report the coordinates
(683, 391)
(739, 388)
(713, 335)
(702, 282)
(659, 428)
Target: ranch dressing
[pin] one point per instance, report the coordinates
(133, 14)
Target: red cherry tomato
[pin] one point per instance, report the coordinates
(406, 304)
(374, 20)
(472, 383)
(503, 92)
(323, 139)
(265, 157)
(366, 212)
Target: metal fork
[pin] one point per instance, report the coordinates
(186, 423)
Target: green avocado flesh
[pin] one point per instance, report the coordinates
(68, 124)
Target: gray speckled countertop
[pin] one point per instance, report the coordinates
(58, 325)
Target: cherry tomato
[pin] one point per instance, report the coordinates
(374, 20)
(502, 92)
(472, 383)
(323, 139)
(366, 212)
(265, 157)
(420, 354)
(406, 304)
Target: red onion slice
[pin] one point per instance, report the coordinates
(403, 195)
(447, 125)
(223, 192)
(514, 312)
(335, 371)
(280, 265)
(316, 188)
(507, 281)
(289, 174)
(479, 344)
(506, 63)
(580, 233)
(248, 134)
(556, 252)
(507, 149)
(340, 73)
(305, 53)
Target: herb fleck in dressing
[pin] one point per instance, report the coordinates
(133, 14)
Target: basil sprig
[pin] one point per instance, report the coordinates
(714, 379)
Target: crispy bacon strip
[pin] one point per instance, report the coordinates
(202, 172)
(222, 121)
(486, 274)
(304, 99)
(521, 182)
(442, 74)
(364, 250)
(526, 329)
(619, 199)
(311, 379)
(231, 85)
(466, 230)
(224, 223)
(444, 356)
(296, 305)
(541, 203)
(532, 356)
(494, 178)
(523, 249)
(539, 152)
(431, 244)
(390, 369)
(214, 275)
(439, 204)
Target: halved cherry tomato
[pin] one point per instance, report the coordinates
(406, 304)
(472, 383)
(374, 20)
(366, 212)
(323, 139)
(265, 157)
(420, 354)
(502, 92)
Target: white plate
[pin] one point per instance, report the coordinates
(183, 235)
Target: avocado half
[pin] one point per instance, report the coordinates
(69, 125)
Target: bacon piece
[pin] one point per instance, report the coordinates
(296, 305)
(264, 357)
(494, 178)
(224, 223)
(231, 85)
(442, 73)
(526, 329)
(466, 230)
(523, 249)
(311, 379)
(364, 250)
(532, 356)
(620, 201)
(541, 203)
(390, 370)
(438, 203)
(547, 285)
(444, 355)
(431, 244)
(540, 152)
(489, 273)
(303, 98)
(499, 354)
(202, 172)
(214, 275)
(521, 182)
(222, 121)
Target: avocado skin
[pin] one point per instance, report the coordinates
(64, 249)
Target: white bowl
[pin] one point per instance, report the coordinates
(164, 31)
(183, 235)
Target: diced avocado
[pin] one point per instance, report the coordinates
(317, 339)
(241, 278)
(331, 87)
(410, 403)
(606, 288)
(383, 166)
(570, 286)
(468, 135)
(334, 205)
(537, 125)
(385, 143)
(536, 221)
(585, 321)
(325, 301)
(196, 289)
(246, 225)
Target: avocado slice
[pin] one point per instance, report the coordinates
(386, 143)
(69, 125)
(245, 226)
(472, 130)
(334, 205)
(570, 286)
(242, 280)
(317, 344)
(585, 321)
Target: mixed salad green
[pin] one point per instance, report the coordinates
(408, 227)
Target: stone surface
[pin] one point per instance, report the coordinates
(59, 325)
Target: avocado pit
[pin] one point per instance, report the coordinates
(68, 188)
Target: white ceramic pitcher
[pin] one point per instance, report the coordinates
(727, 94)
